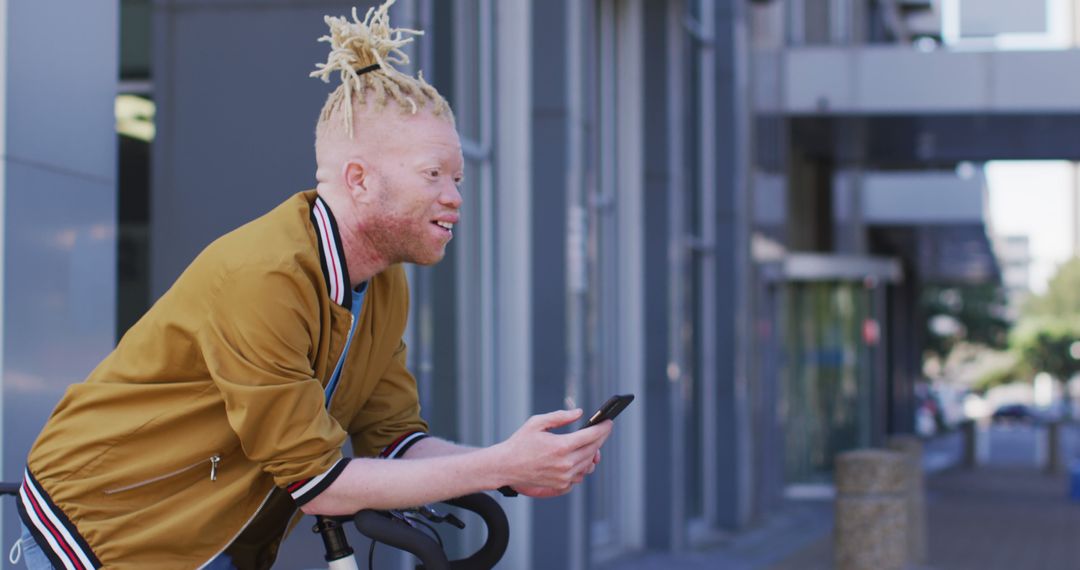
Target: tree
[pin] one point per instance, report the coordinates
(1047, 338)
(970, 313)
(1062, 296)
(1051, 346)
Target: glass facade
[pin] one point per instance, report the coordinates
(827, 400)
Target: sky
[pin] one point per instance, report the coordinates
(1034, 198)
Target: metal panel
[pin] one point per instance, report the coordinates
(896, 79)
(608, 293)
(922, 198)
(658, 391)
(816, 80)
(59, 299)
(58, 187)
(514, 363)
(735, 435)
(890, 78)
(1014, 74)
(832, 267)
(554, 519)
(54, 98)
(632, 332)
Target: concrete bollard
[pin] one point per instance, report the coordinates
(912, 448)
(1053, 447)
(971, 444)
(871, 510)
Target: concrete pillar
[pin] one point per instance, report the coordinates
(970, 430)
(1053, 447)
(912, 448)
(871, 510)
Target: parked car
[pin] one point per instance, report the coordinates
(1015, 413)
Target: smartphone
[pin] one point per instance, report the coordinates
(610, 409)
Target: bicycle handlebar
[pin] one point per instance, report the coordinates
(385, 528)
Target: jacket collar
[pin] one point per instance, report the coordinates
(331, 254)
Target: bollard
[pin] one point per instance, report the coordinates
(971, 450)
(1053, 447)
(912, 448)
(871, 510)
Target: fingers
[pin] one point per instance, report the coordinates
(590, 435)
(555, 419)
(582, 457)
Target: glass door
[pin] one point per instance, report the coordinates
(827, 398)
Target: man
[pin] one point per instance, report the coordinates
(225, 408)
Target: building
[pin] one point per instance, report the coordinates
(1014, 255)
(724, 207)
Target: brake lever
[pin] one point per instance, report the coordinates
(434, 516)
(401, 515)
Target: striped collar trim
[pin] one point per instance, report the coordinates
(331, 254)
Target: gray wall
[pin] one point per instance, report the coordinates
(236, 117)
(59, 202)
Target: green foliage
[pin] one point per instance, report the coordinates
(1062, 297)
(1046, 344)
(1045, 336)
(1017, 370)
(977, 310)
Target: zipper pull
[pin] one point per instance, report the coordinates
(213, 467)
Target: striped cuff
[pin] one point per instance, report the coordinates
(305, 490)
(402, 444)
(52, 530)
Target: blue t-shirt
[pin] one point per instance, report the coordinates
(357, 303)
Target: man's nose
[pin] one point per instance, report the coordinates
(451, 197)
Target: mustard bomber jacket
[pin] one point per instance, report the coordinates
(212, 407)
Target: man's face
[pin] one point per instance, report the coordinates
(415, 200)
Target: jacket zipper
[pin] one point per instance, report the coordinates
(214, 461)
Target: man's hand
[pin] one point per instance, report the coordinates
(542, 464)
(547, 492)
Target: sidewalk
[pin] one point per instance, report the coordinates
(988, 518)
(1005, 515)
(799, 525)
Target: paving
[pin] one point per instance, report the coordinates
(988, 518)
(1006, 514)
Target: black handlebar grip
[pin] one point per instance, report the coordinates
(498, 531)
(381, 527)
(9, 488)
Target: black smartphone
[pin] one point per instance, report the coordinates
(610, 409)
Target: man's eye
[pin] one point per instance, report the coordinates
(458, 181)
(433, 173)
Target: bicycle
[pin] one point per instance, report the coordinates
(401, 529)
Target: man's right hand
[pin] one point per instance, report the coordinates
(539, 463)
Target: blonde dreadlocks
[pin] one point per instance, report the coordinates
(364, 53)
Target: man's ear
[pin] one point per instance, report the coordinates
(355, 176)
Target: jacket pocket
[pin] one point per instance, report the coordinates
(210, 464)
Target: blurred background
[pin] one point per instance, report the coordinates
(791, 227)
